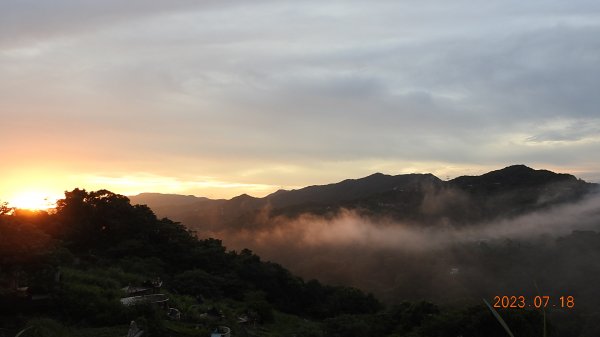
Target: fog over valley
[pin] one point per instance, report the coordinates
(499, 233)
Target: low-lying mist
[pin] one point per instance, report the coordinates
(350, 228)
(555, 248)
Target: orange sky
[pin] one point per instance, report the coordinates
(222, 98)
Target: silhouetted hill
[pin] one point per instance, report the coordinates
(241, 210)
(347, 190)
(415, 198)
(98, 261)
(516, 176)
(516, 190)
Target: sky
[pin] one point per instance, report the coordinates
(219, 98)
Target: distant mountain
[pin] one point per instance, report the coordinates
(350, 189)
(414, 236)
(413, 198)
(167, 200)
(516, 176)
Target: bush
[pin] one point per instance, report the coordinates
(44, 327)
(92, 296)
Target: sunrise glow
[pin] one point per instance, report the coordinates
(174, 98)
(33, 200)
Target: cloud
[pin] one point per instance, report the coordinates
(274, 84)
(399, 261)
(31, 21)
(348, 228)
(572, 132)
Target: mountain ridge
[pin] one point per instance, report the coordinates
(494, 173)
(415, 197)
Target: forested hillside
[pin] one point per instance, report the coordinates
(73, 271)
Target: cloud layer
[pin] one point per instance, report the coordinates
(278, 92)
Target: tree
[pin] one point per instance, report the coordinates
(102, 219)
(4, 209)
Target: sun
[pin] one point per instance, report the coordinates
(32, 200)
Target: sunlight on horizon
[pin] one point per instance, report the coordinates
(34, 190)
(33, 200)
(136, 183)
